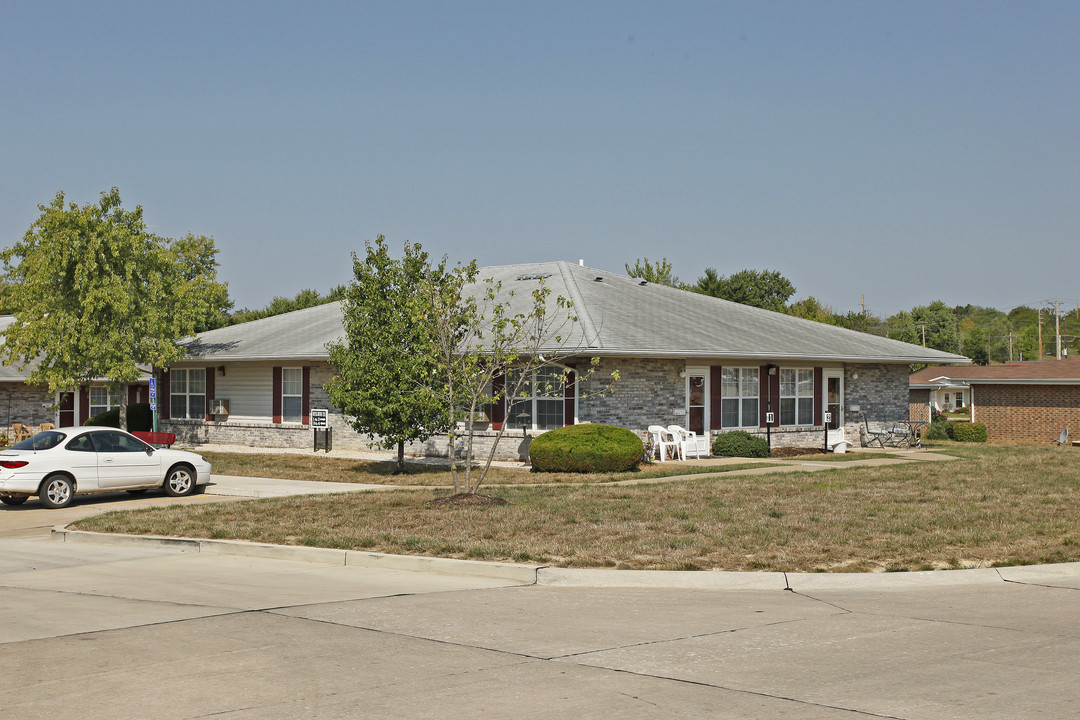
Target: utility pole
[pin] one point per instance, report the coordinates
(1010, 347)
(1038, 312)
(923, 335)
(1056, 304)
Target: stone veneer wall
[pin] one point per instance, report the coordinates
(649, 392)
(1027, 413)
(26, 404)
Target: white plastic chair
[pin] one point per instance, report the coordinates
(687, 440)
(663, 441)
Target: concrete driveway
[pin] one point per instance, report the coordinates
(136, 632)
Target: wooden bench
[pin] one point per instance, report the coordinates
(156, 438)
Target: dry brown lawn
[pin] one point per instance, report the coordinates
(996, 506)
(381, 472)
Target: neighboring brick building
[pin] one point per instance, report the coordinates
(683, 359)
(1018, 402)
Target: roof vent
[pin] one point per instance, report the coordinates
(643, 282)
(598, 278)
(533, 276)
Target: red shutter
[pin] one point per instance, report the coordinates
(305, 408)
(163, 396)
(568, 397)
(84, 404)
(716, 390)
(498, 410)
(819, 411)
(211, 379)
(276, 389)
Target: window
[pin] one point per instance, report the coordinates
(541, 397)
(292, 395)
(100, 400)
(959, 400)
(796, 397)
(187, 393)
(739, 397)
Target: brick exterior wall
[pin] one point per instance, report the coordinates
(919, 405)
(1027, 413)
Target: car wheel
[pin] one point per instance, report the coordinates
(57, 491)
(180, 481)
(13, 499)
(137, 491)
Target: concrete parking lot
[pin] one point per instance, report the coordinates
(136, 632)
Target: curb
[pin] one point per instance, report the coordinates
(522, 574)
(1057, 575)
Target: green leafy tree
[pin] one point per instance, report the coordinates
(901, 326)
(102, 296)
(939, 322)
(766, 289)
(812, 309)
(659, 272)
(484, 332)
(387, 363)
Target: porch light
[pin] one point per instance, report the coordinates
(523, 421)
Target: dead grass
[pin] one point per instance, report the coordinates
(998, 506)
(376, 472)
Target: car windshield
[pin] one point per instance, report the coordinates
(41, 441)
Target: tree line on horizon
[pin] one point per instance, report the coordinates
(88, 252)
(986, 335)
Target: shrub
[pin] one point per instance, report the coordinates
(938, 430)
(586, 449)
(139, 417)
(739, 443)
(937, 415)
(968, 432)
(109, 418)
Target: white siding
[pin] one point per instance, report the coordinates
(249, 389)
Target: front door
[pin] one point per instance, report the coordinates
(834, 398)
(66, 413)
(697, 409)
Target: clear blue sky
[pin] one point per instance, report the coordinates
(908, 151)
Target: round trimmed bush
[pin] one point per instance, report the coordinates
(739, 443)
(586, 449)
(968, 432)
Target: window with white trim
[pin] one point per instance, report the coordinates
(796, 396)
(100, 400)
(739, 390)
(187, 393)
(542, 397)
(292, 395)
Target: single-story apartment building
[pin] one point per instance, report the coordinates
(33, 405)
(1023, 401)
(686, 359)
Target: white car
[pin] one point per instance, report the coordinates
(58, 464)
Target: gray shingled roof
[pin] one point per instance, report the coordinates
(617, 315)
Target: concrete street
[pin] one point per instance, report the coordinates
(153, 631)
